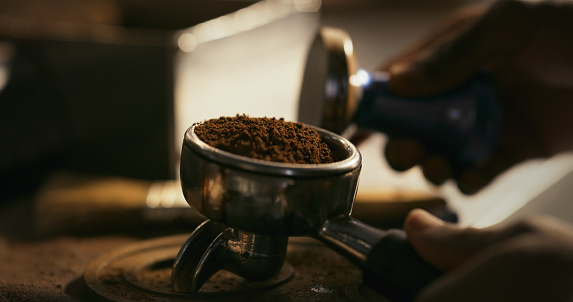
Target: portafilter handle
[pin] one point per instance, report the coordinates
(388, 262)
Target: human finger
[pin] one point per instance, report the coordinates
(524, 268)
(473, 179)
(510, 263)
(446, 245)
(436, 169)
(434, 240)
(403, 153)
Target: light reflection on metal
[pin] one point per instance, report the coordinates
(165, 195)
(360, 78)
(6, 55)
(243, 20)
(348, 48)
(4, 76)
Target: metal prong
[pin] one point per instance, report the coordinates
(191, 256)
(214, 246)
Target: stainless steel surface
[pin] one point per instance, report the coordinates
(265, 197)
(214, 246)
(278, 200)
(268, 198)
(328, 98)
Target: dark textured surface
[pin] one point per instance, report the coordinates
(52, 269)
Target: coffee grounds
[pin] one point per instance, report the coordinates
(265, 138)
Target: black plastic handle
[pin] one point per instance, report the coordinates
(395, 270)
(462, 125)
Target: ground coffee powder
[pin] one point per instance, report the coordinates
(269, 139)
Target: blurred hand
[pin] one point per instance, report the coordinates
(531, 260)
(528, 48)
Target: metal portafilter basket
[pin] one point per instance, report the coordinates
(253, 206)
(463, 125)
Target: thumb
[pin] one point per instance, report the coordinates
(442, 244)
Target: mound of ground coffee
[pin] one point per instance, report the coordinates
(264, 138)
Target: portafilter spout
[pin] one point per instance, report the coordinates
(463, 125)
(278, 200)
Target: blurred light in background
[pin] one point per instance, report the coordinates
(247, 62)
(360, 78)
(6, 53)
(256, 15)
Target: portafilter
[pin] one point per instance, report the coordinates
(253, 206)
